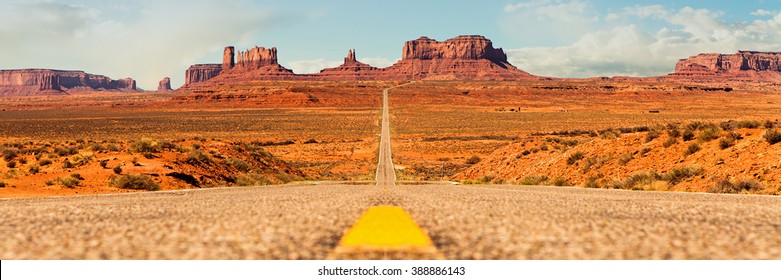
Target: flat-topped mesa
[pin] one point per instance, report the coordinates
(257, 57)
(470, 57)
(461, 47)
(164, 84)
(713, 63)
(32, 81)
(201, 72)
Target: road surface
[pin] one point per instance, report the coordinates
(307, 220)
(386, 174)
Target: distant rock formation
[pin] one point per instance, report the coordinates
(743, 65)
(351, 69)
(741, 61)
(470, 57)
(164, 84)
(201, 72)
(471, 47)
(227, 58)
(48, 81)
(257, 57)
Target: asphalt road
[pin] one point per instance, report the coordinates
(386, 175)
(306, 221)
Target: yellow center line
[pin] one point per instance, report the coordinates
(385, 232)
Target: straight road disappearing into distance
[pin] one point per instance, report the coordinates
(307, 220)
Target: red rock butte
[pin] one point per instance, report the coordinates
(743, 65)
(470, 57)
(48, 81)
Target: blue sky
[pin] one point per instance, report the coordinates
(149, 40)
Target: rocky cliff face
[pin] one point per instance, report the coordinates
(257, 57)
(201, 72)
(227, 58)
(351, 69)
(164, 84)
(470, 57)
(464, 57)
(33, 81)
(743, 65)
(741, 61)
(470, 47)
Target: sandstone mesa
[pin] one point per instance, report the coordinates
(470, 57)
(467, 57)
(164, 84)
(48, 81)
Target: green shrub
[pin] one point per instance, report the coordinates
(672, 131)
(487, 178)
(651, 135)
(637, 180)
(768, 124)
(145, 145)
(645, 151)
(534, 180)
(737, 186)
(198, 157)
(574, 157)
(688, 135)
(239, 164)
(591, 183)
(726, 142)
(69, 182)
(34, 169)
(252, 179)
(97, 147)
(748, 124)
(708, 134)
(772, 136)
(669, 142)
(45, 162)
(677, 175)
(11, 164)
(111, 147)
(117, 169)
(134, 182)
(693, 148)
(729, 140)
(10, 153)
(625, 158)
(560, 182)
(609, 133)
(473, 160)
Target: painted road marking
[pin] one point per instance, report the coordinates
(385, 230)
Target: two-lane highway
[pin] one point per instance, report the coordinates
(308, 220)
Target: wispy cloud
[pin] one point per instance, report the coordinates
(625, 47)
(148, 41)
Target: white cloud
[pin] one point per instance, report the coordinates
(549, 20)
(312, 66)
(763, 12)
(380, 62)
(145, 40)
(652, 11)
(631, 50)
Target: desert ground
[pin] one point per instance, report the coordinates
(591, 133)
